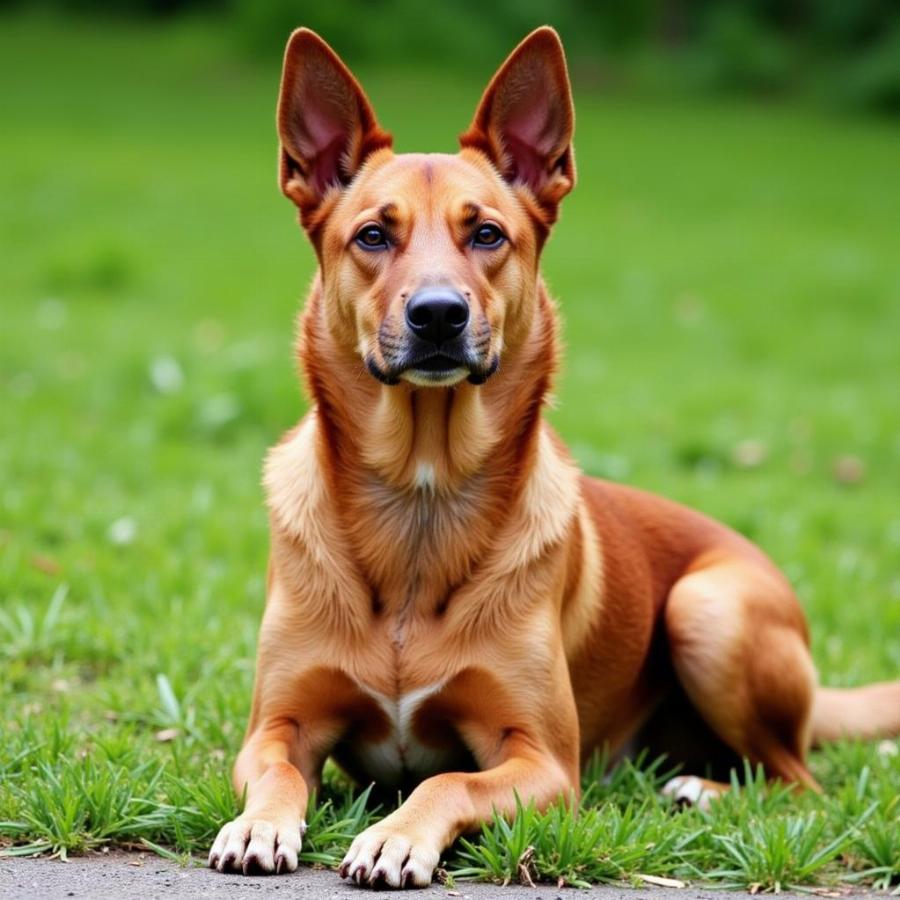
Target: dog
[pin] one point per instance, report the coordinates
(454, 610)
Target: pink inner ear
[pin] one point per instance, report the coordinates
(324, 141)
(531, 131)
(326, 166)
(526, 165)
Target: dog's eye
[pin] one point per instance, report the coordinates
(372, 237)
(488, 237)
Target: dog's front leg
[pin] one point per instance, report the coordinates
(403, 849)
(266, 837)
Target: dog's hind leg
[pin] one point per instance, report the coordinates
(737, 639)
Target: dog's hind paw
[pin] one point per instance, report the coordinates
(689, 790)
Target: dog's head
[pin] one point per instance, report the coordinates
(428, 262)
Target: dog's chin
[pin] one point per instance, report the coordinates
(435, 377)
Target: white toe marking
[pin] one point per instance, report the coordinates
(687, 788)
(691, 790)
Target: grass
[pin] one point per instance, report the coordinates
(730, 279)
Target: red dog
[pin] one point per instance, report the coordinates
(451, 603)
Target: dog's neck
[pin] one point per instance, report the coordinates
(424, 476)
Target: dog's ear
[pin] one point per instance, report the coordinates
(525, 120)
(325, 122)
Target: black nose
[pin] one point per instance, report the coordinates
(437, 314)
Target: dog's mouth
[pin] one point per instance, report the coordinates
(433, 370)
(437, 364)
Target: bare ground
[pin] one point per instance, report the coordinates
(103, 876)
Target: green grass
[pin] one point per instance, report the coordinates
(730, 280)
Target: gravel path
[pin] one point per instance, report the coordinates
(104, 876)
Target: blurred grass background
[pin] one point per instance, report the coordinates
(728, 269)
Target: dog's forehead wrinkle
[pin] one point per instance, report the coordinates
(434, 173)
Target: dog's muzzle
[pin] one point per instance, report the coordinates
(440, 345)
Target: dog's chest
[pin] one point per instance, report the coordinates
(414, 524)
(396, 753)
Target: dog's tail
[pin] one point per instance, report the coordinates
(872, 711)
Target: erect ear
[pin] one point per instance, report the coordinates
(525, 120)
(325, 122)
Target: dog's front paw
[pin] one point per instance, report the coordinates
(390, 856)
(256, 846)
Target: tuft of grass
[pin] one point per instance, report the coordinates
(594, 844)
(25, 636)
(335, 822)
(876, 846)
(777, 853)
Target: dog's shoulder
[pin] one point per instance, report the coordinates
(548, 504)
(293, 483)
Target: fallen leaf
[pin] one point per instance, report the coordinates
(849, 469)
(659, 881)
(45, 564)
(525, 868)
(166, 735)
